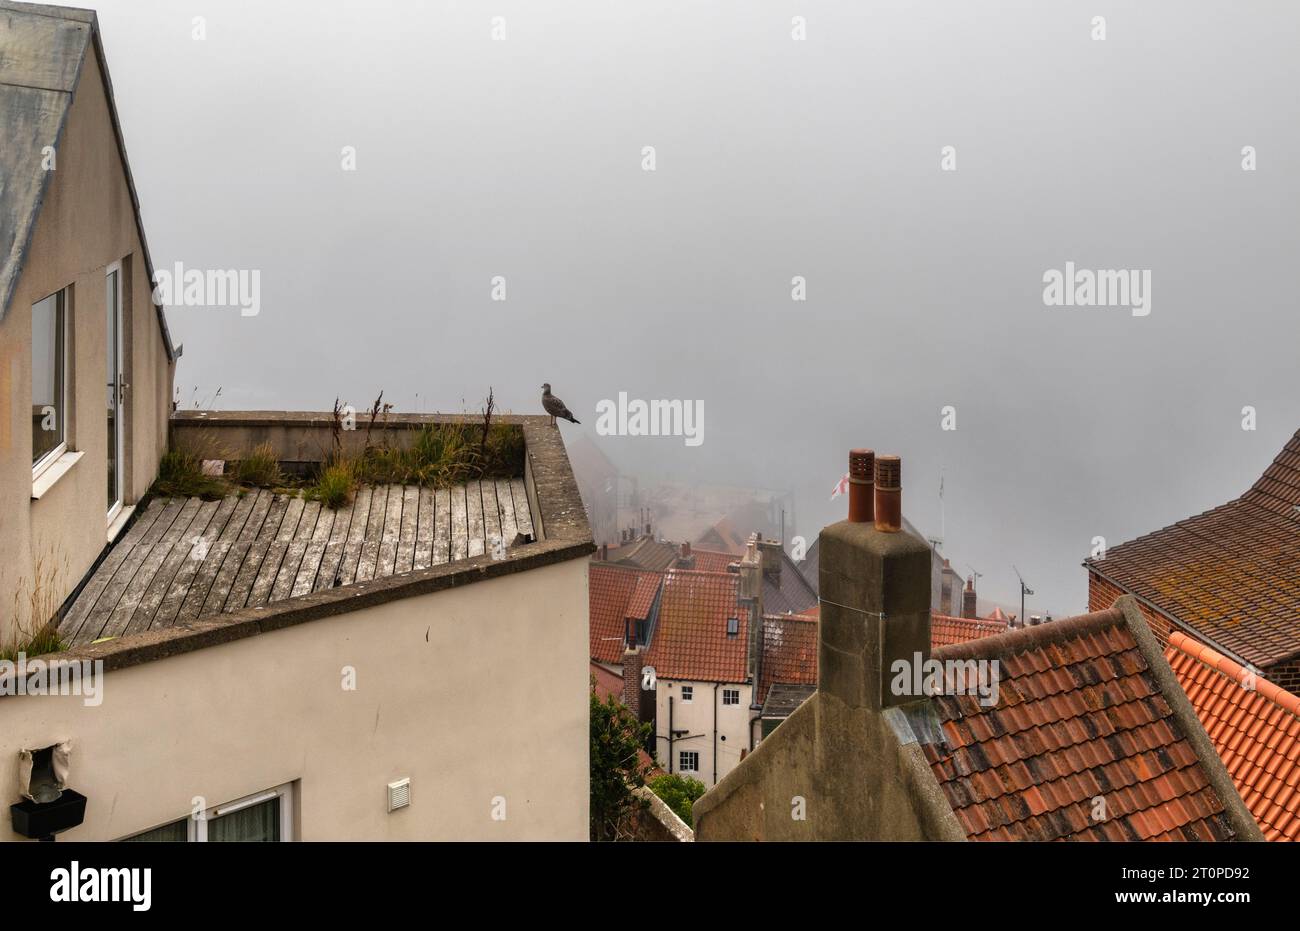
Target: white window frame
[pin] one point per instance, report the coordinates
(730, 691)
(681, 761)
(688, 693)
(120, 452)
(197, 826)
(39, 467)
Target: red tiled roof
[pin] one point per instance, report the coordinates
(1255, 726)
(789, 652)
(1230, 573)
(1079, 717)
(612, 598)
(712, 561)
(945, 630)
(607, 683)
(997, 614)
(690, 639)
(643, 596)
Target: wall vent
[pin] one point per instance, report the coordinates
(399, 794)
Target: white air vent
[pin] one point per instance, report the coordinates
(399, 794)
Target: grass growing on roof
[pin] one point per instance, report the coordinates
(180, 475)
(334, 486)
(260, 468)
(445, 454)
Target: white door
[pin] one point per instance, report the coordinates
(116, 389)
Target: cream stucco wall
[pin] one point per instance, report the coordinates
(696, 718)
(473, 692)
(86, 224)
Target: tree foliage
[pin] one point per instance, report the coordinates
(617, 738)
(678, 792)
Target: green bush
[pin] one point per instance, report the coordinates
(678, 793)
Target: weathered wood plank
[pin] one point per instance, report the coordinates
(347, 571)
(474, 516)
(292, 518)
(274, 558)
(491, 516)
(315, 552)
(392, 530)
(166, 574)
(509, 525)
(406, 535)
(70, 627)
(424, 530)
(242, 587)
(293, 555)
(193, 562)
(196, 598)
(523, 513)
(120, 617)
(442, 526)
(459, 524)
(241, 546)
(368, 558)
(333, 557)
(236, 554)
(97, 620)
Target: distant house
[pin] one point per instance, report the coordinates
(86, 362)
(706, 698)
(1227, 577)
(946, 631)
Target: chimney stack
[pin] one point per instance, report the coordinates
(749, 592)
(862, 464)
(685, 559)
(770, 553)
(634, 697)
(968, 598)
(889, 494)
(604, 551)
(875, 611)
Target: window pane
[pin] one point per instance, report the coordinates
(168, 833)
(257, 823)
(47, 375)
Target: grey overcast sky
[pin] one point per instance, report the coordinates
(775, 158)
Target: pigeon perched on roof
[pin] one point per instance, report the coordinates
(555, 407)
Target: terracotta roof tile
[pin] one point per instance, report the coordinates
(614, 594)
(1079, 717)
(712, 561)
(690, 640)
(1229, 573)
(1253, 724)
(789, 652)
(945, 630)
